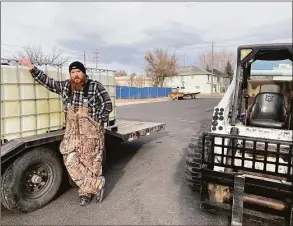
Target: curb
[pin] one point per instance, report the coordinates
(139, 102)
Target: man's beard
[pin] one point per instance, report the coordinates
(75, 85)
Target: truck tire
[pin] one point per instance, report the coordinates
(32, 180)
(193, 157)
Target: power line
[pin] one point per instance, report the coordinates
(6, 50)
(84, 57)
(11, 45)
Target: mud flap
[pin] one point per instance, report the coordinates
(237, 206)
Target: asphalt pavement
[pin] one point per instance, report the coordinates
(145, 181)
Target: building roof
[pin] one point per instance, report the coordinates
(192, 70)
(218, 73)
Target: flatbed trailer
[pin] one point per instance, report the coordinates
(23, 156)
(181, 95)
(123, 131)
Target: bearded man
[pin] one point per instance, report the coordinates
(87, 106)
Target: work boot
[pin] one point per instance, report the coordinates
(84, 200)
(100, 193)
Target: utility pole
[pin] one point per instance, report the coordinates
(96, 57)
(84, 58)
(212, 77)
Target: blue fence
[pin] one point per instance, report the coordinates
(126, 92)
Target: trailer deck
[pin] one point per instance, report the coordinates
(131, 130)
(180, 95)
(126, 131)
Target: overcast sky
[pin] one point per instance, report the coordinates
(123, 32)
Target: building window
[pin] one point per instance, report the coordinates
(197, 87)
(192, 76)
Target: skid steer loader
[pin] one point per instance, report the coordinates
(242, 163)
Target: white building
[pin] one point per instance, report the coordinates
(282, 72)
(194, 79)
(283, 67)
(280, 75)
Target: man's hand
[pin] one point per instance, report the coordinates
(27, 63)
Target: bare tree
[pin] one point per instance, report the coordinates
(131, 79)
(120, 73)
(160, 65)
(220, 60)
(36, 55)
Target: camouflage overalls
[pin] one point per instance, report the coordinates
(82, 148)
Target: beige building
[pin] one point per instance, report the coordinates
(137, 81)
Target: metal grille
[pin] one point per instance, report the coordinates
(274, 157)
(36, 95)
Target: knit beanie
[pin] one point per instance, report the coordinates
(77, 65)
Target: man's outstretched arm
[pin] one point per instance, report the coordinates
(50, 83)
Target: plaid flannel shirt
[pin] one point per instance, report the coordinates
(99, 102)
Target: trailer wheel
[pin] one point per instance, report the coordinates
(32, 180)
(193, 158)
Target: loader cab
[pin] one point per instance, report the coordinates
(238, 161)
(263, 98)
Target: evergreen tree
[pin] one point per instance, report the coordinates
(229, 70)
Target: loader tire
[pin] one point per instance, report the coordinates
(32, 180)
(194, 157)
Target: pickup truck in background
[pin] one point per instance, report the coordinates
(179, 93)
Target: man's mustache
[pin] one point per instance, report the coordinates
(76, 77)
